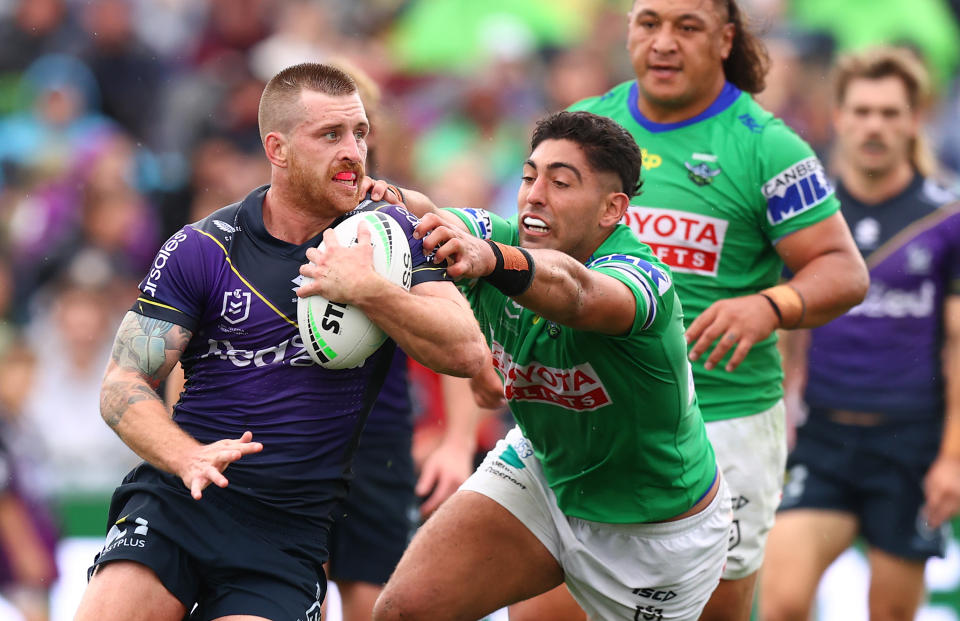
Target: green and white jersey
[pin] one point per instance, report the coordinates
(613, 419)
(719, 191)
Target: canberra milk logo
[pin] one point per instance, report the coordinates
(795, 190)
(236, 306)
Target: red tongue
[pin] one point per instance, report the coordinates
(346, 176)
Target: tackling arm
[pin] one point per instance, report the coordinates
(562, 289)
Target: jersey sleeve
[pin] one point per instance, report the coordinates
(173, 289)
(423, 270)
(794, 187)
(488, 225)
(651, 287)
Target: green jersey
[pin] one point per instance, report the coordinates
(613, 419)
(719, 191)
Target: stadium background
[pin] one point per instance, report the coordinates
(121, 120)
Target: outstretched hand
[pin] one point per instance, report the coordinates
(734, 322)
(466, 256)
(208, 461)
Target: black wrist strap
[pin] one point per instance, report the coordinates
(776, 308)
(514, 271)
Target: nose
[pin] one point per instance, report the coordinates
(664, 40)
(353, 149)
(537, 193)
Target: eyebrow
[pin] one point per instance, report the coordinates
(652, 13)
(556, 165)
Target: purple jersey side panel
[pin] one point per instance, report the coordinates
(884, 354)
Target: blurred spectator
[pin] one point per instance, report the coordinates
(27, 534)
(128, 73)
(39, 143)
(32, 29)
(79, 457)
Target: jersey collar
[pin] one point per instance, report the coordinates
(723, 101)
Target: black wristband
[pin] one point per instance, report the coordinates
(514, 271)
(776, 308)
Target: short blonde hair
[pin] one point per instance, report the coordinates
(280, 99)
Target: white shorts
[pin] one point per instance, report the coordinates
(752, 452)
(653, 572)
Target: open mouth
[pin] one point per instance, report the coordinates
(663, 71)
(535, 225)
(346, 177)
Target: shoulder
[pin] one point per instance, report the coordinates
(622, 251)
(611, 100)
(221, 225)
(936, 193)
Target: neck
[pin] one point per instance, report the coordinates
(873, 188)
(676, 112)
(287, 220)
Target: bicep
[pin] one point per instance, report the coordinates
(609, 305)
(147, 347)
(828, 236)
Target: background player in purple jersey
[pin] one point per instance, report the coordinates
(879, 454)
(221, 299)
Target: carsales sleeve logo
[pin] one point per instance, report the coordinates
(687, 242)
(578, 388)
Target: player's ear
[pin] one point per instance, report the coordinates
(614, 206)
(275, 147)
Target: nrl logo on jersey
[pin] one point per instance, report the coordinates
(703, 172)
(236, 306)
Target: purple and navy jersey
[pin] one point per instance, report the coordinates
(392, 413)
(229, 282)
(884, 355)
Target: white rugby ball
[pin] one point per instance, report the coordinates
(340, 336)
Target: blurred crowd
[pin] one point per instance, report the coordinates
(122, 120)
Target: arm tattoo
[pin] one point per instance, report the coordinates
(143, 345)
(148, 347)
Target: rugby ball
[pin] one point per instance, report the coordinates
(340, 336)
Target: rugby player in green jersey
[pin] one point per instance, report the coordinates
(731, 195)
(608, 483)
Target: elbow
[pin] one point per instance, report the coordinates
(468, 359)
(859, 283)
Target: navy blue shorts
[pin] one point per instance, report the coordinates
(873, 472)
(225, 559)
(373, 526)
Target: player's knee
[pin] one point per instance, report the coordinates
(776, 605)
(887, 609)
(396, 606)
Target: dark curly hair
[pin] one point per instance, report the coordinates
(607, 145)
(748, 63)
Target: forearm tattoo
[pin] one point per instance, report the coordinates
(149, 348)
